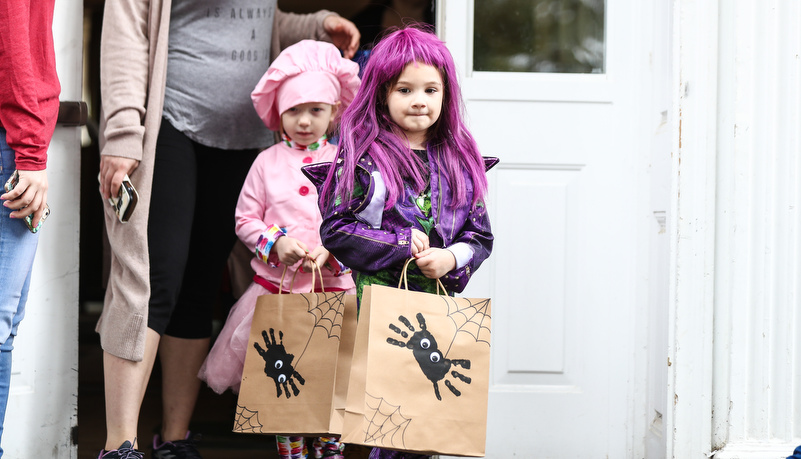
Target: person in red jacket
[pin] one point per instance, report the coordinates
(29, 90)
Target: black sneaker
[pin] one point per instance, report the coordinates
(125, 451)
(178, 449)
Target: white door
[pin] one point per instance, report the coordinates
(42, 409)
(561, 91)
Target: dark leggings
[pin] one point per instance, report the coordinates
(190, 230)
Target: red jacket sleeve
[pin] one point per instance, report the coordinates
(30, 88)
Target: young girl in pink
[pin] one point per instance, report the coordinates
(277, 214)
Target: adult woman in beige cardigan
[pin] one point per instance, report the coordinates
(185, 134)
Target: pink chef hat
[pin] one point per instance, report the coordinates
(308, 71)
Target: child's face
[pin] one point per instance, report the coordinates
(306, 123)
(415, 101)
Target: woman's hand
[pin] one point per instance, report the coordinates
(319, 255)
(435, 262)
(419, 241)
(29, 196)
(289, 250)
(112, 171)
(343, 33)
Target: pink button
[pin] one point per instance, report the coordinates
(304, 190)
(307, 160)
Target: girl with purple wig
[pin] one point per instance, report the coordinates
(409, 180)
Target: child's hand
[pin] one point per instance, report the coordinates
(419, 241)
(289, 250)
(435, 262)
(319, 255)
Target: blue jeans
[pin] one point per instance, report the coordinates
(17, 249)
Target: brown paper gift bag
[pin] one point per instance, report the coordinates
(420, 375)
(297, 364)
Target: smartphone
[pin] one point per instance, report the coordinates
(125, 201)
(13, 182)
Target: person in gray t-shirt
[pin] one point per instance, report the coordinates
(198, 141)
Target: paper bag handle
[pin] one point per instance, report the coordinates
(315, 269)
(405, 282)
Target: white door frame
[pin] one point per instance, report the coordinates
(691, 224)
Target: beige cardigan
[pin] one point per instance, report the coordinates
(133, 70)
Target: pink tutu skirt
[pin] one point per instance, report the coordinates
(223, 366)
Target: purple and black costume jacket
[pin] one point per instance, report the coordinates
(367, 238)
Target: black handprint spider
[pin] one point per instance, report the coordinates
(278, 363)
(424, 347)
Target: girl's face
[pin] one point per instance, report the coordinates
(415, 101)
(306, 123)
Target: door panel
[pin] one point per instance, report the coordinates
(542, 324)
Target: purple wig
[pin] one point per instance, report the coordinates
(367, 128)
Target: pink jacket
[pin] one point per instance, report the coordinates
(277, 193)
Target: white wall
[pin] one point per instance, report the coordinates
(757, 380)
(735, 228)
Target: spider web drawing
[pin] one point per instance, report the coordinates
(471, 316)
(386, 426)
(247, 421)
(327, 311)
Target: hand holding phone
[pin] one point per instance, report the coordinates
(10, 185)
(125, 201)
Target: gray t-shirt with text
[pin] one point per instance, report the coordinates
(218, 51)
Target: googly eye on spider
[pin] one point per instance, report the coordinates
(426, 352)
(278, 364)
